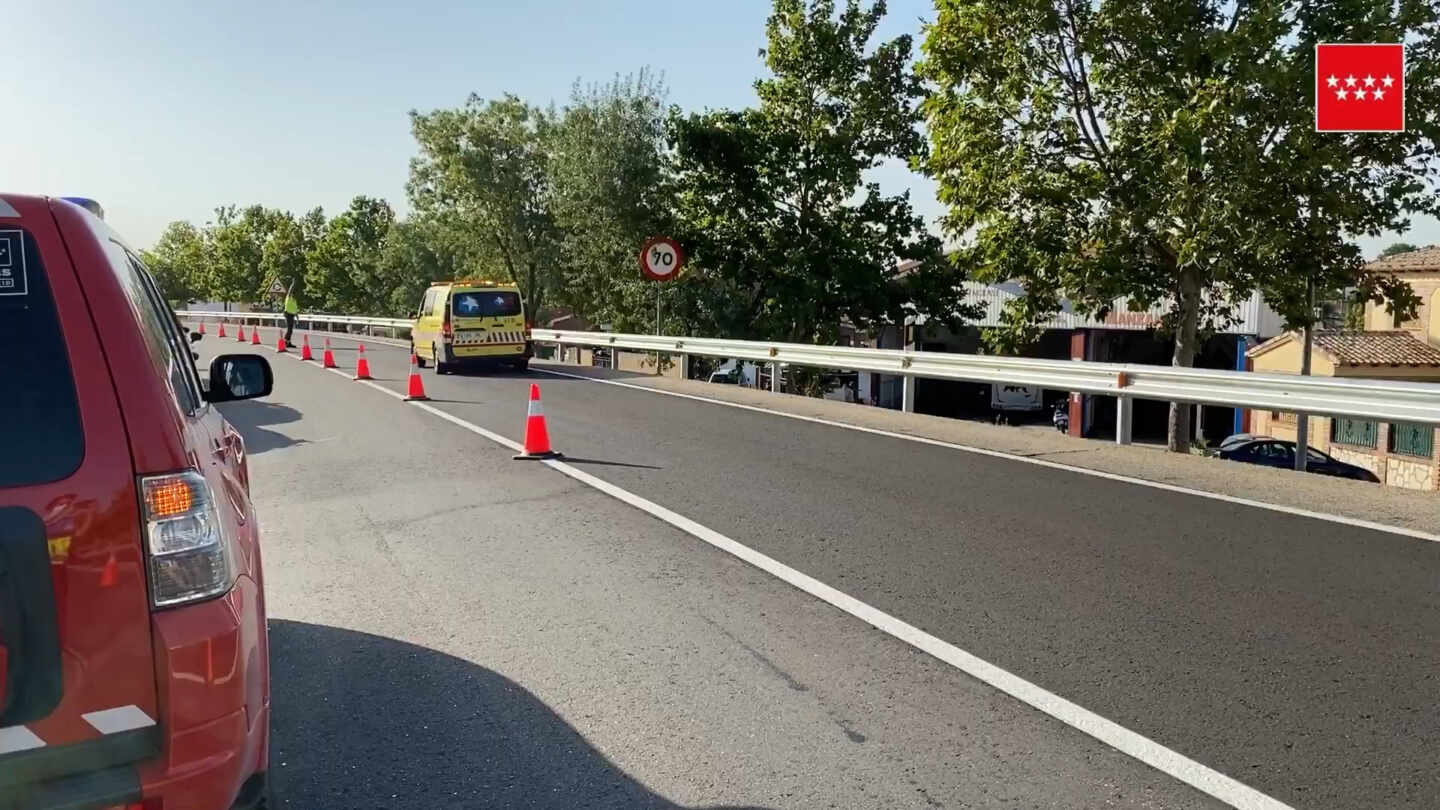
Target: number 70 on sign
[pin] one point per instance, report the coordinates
(661, 259)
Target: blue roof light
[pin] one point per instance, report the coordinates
(88, 204)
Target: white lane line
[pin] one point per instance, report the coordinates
(1157, 756)
(382, 389)
(476, 429)
(18, 738)
(1040, 462)
(122, 718)
(1196, 775)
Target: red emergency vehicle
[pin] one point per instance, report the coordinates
(134, 669)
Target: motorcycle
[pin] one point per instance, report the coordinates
(1060, 417)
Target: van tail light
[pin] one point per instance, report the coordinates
(528, 326)
(189, 558)
(446, 330)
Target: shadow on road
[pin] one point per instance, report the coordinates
(498, 372)
(250, 418)
(596, 372)
(599, 463)
(362, 721)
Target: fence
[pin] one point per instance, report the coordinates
(1408, 439)
(1417, 403)
(1355, 432)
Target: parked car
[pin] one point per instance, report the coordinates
(1272, 452)
(134, 661)
(733, 372)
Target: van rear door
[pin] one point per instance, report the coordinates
(77, 673)
(487, 321)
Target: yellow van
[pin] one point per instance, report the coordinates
(471, 323)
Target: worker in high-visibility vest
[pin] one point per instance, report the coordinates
(292, 308)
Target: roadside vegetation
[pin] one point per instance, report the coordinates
(1154, 150)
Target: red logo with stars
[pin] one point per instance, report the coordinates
(1360, 88)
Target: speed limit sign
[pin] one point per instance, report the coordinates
(661, 259)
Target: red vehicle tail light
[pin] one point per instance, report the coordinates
(168, 497)
(446, 330)
(189, 558)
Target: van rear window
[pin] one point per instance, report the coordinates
(485, 304)
(41, 438)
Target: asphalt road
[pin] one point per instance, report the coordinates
(418, 577)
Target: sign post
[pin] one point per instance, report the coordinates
(660, 260)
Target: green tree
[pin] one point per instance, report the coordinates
(345, 266)
(1164, 151)
(238, 237)
(789, 239)
(418, 251)
(1398, 247)
(482, 170)
(283, 256)
(606, 167)
(179, 261)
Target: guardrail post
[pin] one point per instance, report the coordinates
(685, 366)
(907, 393)
(1124, 419)
(774, 378)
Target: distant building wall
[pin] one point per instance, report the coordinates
(1371, 444)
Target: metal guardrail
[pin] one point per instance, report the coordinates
(1362, 398)
(304, 317)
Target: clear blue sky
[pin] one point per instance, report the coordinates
(162, 109)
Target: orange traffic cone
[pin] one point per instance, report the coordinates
(202, 327)
(305, 348)
(537, 438)
(417, 388)
(255, 336)
(280, 343)
(221, 333)
(240, 333)
(362, 366)
(328, 358)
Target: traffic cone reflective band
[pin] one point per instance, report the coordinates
(416, 389)
(255, 336)
(362, 366)
(240, 333)
(328, 358)
(537, 438)
(280, 343)
(305, 348)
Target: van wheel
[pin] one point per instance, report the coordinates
(419, 359)
(441, 367)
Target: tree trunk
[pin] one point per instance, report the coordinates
(1186, 345)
